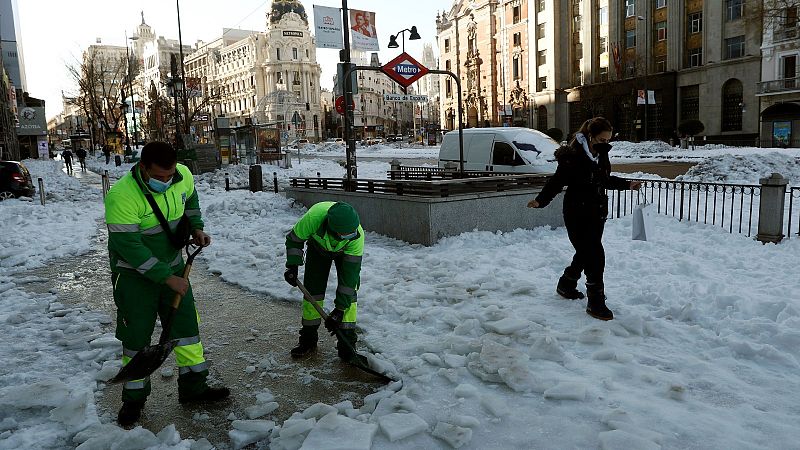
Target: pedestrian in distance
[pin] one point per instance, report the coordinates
(585, 170)
(334, 235)
(146, 267)
(107, 154)
(66, 155)
(81, 154)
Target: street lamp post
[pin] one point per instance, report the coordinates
(124, 107)
(130, 86)
(413, 36)
(646, 68)
(176, 83)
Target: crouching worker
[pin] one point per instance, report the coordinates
(334, 235)
(147, 268)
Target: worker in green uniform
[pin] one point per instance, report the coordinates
(334, 235)
(146, 267)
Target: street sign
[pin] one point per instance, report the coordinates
(404, 98)
(404, 69)
(339, 104)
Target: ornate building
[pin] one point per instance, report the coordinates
(267, 77)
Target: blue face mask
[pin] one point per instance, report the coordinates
(158, 185)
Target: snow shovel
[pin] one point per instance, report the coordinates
(150, 358)
(356, 363)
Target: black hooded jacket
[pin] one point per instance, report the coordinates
(586, 181)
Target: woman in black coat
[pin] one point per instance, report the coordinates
(584, 168)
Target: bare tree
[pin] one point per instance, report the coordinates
(775, 14)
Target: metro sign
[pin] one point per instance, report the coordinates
(404, 69)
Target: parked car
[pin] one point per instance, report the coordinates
(298, 143)
(501, 149)
(339, 141)
(15, 180)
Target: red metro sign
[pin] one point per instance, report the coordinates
(404, 69)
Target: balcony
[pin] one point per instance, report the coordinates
(784, 34)
(778, 86)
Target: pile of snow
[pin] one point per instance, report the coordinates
(396, 150)
(704, 330)
(745, 169)
(659, 151)
(634, 149)
(33, 233)
(99, 166)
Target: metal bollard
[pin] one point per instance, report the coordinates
(227, 182)
(275, 181)
(41, 191)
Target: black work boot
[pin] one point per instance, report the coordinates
(129, 413)
(568, 288)
(308, 342)
(596, 306)
(212, 394)
(346, 352)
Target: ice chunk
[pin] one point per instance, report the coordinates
(616, 439)
(398, 426)
(72, 412)
(594, 334)
(240, 438)
(265, 397)
(466, 390)
(335, 432)
(136, 439)
(566, 391)
(295, 427)
(508, 325)
(548, 348)
(454, 361)
(344, 407)
(169, 435)
(42, 393)
(8, 424)
(107, 341)
(108, 371)
(456, 436)
(432, 359)
(371, 401)
(465, 421)
(495, 405)
(261, 409)
(250, 369)
(201, 444)
(393, 404)
(167, 372)
(253, 425)
(318, 410)
(519, 378)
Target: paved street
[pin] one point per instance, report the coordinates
(238, 328)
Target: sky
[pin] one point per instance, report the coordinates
(54, 33)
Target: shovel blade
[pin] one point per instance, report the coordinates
(147, 361)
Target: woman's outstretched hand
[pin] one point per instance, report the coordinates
(533, 204)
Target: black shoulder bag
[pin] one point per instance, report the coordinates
(180, 237)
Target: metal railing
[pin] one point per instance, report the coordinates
(424, 188)
(439, 173)
(786, 84)
(733, 207)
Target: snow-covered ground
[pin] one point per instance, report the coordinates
(703, 352)
(624, 151)
(395, 150)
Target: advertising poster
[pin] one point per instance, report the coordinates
(362, 31)
(328, 26)
(781, 133)
(42, 146)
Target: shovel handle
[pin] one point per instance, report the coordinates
(176, 301)
(308, 297)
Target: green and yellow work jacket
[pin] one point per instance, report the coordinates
(136, 240)
(312, 228)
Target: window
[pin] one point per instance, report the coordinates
(602, 16)
(661, 64)
(294, 53)
(602, 44)
(278, 53)
(447, 46)
(504, 155)
(696, 22)
(516, 14)
(540, 5)
(541, 57)
(734, 47)
(540, 31)
(734, 9)
(661, 31)
(690, 102)
(448, 88)
(603, 74)
(517, 39)
(307, 53)
(541, 84)
(630, 8)
(732, 105)
(695, 57)
(790, 17)
(661, 4)
(517, 67)
(447, 65)
(630, 39)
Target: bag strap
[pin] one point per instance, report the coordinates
(157, 211)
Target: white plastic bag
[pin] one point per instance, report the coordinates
(639, 228)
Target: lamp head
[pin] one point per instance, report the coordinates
(393, 41)
(414, 35)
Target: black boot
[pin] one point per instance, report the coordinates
(346, 352)
(568, 288)
(596, 306)
(129, 413)
(308, 342)
(212, 394)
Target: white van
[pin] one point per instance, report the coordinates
(501, 149)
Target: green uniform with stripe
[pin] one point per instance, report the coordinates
(142, 258)
(325, 248)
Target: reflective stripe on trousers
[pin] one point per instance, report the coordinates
(312, 318)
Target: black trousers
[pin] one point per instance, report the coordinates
(586, 235)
